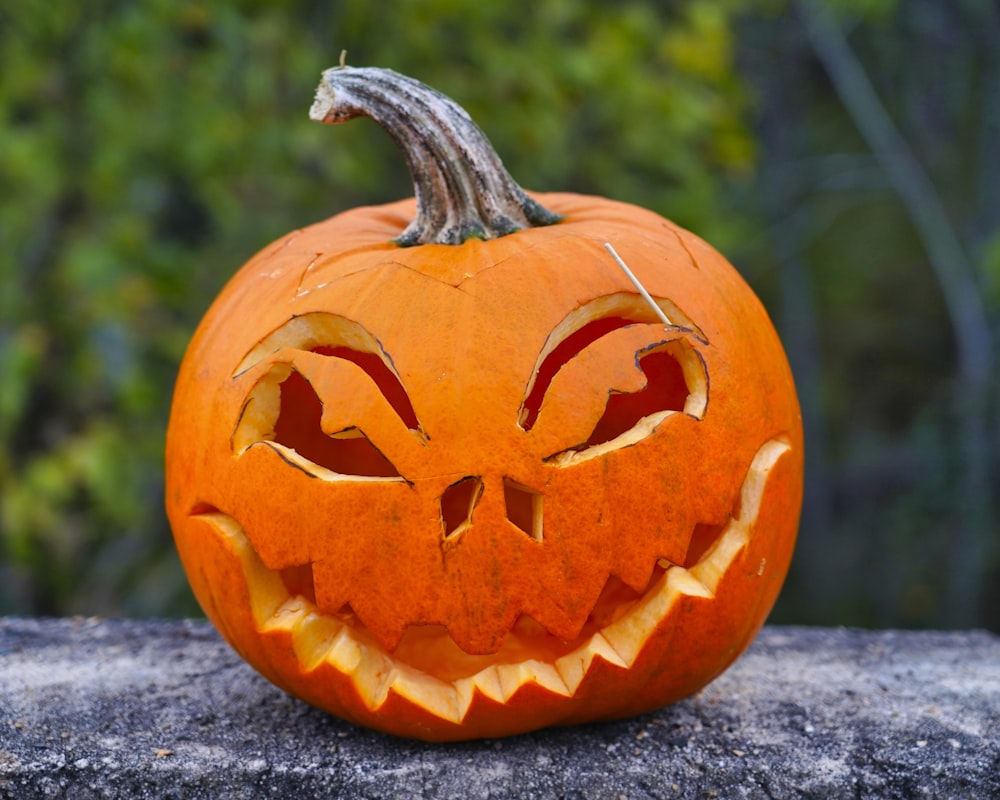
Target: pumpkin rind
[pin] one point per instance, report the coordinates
(462, 329)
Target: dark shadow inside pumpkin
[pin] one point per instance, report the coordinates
(571, 346)
(297, 427)
(457, 504)
(524, 508)
(665, 391)
(283, 408)
(386, 380)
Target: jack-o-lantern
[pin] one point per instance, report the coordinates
(461, 476)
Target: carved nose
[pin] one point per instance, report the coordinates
(457, 504)
(522, 505)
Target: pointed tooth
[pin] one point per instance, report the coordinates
(267, 594)
(626, 639)
(548, 676)
(600, 646)
(265, 588)
(755, 482)
(514, 676)
(681, 581)
(346, 652)
(313, 638)
(511, 676)
(374, 677)
(573, 666)
(438, 697)
(487, 682)
(716, 562)
(288, 615)
(627, 635)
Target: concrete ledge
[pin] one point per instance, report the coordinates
(164, 709)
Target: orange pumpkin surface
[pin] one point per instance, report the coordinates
(469, 489)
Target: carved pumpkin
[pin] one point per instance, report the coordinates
(457, 477)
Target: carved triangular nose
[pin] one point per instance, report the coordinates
(457, 504)
(522, 506)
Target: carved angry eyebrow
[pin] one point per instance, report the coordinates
(335, 336)
(583, 327)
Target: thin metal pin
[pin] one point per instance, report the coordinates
(642, 289)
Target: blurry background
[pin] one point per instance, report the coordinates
(845, 155)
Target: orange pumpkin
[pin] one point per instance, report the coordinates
(457, 477)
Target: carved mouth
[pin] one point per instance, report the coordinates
(617, 631)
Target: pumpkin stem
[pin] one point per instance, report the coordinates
(462, 188)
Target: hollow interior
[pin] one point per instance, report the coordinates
(298, 427)
(554, 361)
(386, 380)
(457, 504)
(524, 508)
(299, 582)
(702, 538)
(665, 390)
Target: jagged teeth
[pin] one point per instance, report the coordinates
(487, 682)
(319, 639)
(316, 636)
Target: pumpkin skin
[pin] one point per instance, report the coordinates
(452, 491)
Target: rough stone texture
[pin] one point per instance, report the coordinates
(164, 709)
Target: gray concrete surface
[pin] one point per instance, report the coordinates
(163, 709)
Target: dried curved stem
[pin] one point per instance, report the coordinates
(461, 186)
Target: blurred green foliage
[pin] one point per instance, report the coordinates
(148, 149)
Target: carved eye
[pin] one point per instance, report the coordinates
(286, 409)
(657, 373)
(665, 390)
(298, 428)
